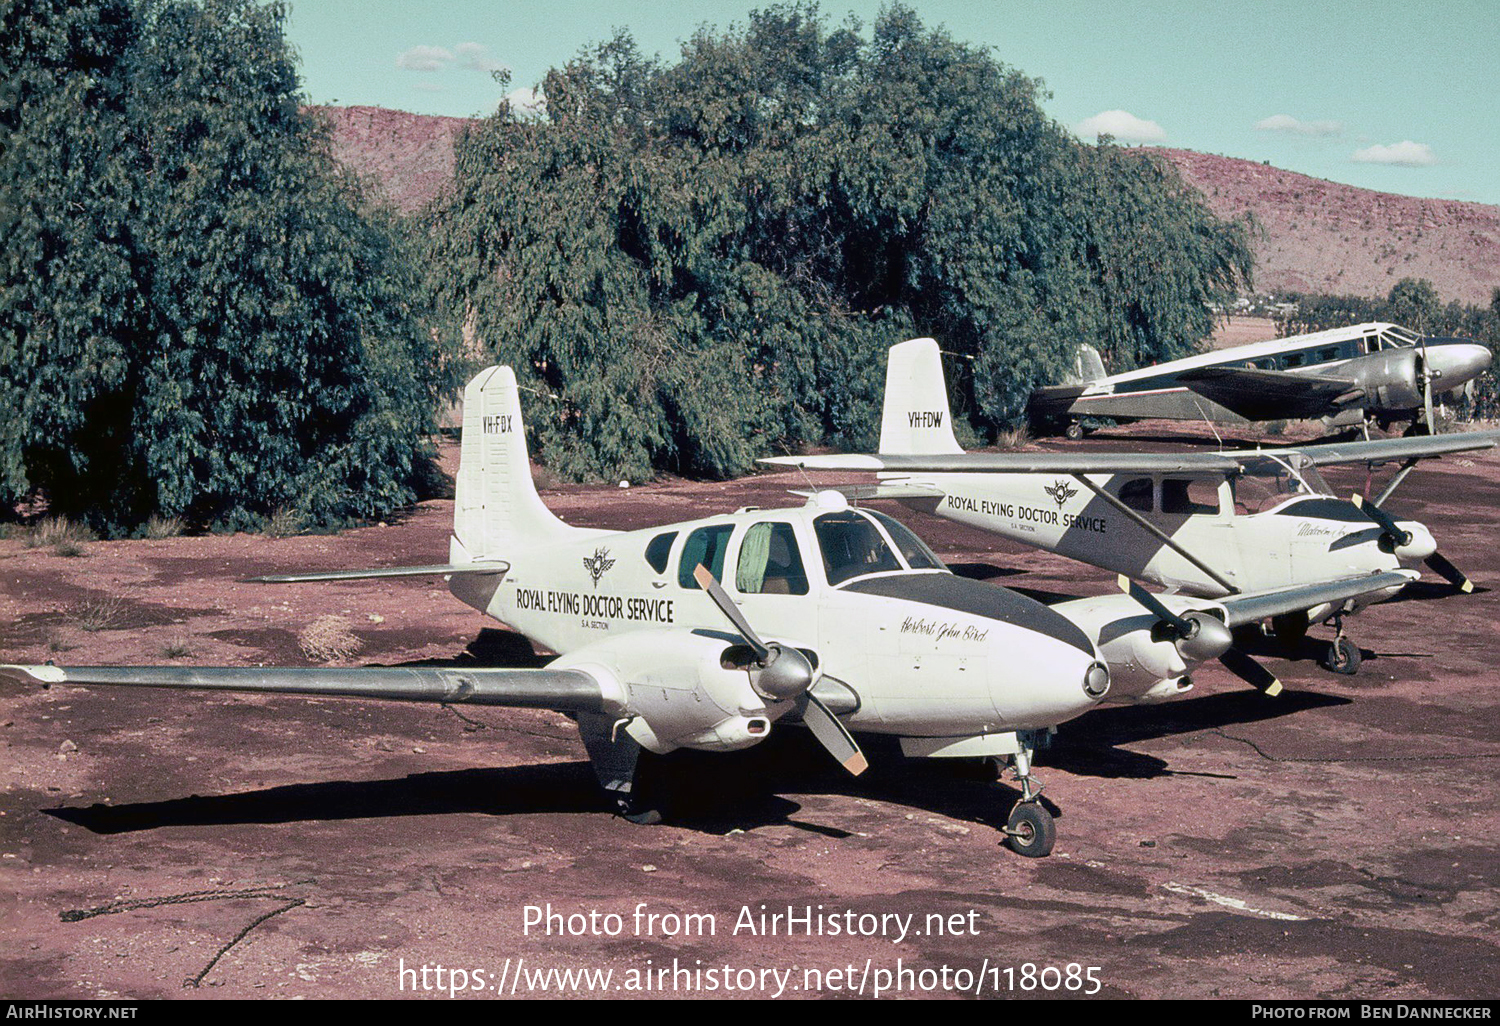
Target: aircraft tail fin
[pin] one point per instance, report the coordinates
(496, 507)
(916, 419)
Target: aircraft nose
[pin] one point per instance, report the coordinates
(1061, 683)
(1458, 362)
(1421, 546)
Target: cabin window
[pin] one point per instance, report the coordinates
(706, 545)
(1293, 359)
(1325, 355)
(769, 563)
(1137, 494)
(852, 546)
(659, 549)
(1185, 495)
(916, 553)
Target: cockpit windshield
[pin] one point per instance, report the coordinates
(852, 546)
(916, 553)
(1398, 336)
(1271, 481)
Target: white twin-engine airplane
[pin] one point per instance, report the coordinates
(858, 626)
(1210, 524)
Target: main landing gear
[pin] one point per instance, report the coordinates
(1343, 655)
(1030, 830)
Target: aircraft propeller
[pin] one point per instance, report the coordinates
(784, 674)
(1398, 537)
(1200, 637)
(1427, 377)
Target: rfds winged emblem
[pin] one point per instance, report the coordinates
(597, 564)
(1061, 492)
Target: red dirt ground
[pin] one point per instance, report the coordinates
(1340, 841)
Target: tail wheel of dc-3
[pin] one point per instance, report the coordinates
(1030, 831)
(1343, 656)
(1074, 431)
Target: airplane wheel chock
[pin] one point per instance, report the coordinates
(1343, 656)
(1030, 831)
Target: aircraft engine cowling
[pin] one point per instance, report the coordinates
(1391, 379)
(1145, 663)
(679, 688)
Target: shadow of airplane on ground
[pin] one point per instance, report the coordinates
(711, 792)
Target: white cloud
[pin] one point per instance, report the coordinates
(1402, 154)
(526, 101)
(1287, 123)
(1123, 125)
(423, 58)
(476, 57)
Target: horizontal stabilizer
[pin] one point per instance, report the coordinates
(1256, 606)
(445, 569)
(560, 690)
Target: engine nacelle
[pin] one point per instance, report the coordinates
(1145, 663)
(674, 690)
(1391, 378)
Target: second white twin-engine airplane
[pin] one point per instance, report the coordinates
(858, 626)
(1210, 524)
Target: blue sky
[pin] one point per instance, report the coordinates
(1396, 96)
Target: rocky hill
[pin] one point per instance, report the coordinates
(1312, 235)
(1320, 236)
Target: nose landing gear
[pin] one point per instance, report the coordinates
(1030, 830)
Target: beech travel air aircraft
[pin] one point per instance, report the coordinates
(1209, 524)
(1369, 372)
(857, 626)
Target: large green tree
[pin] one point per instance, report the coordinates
(204, 318)
(695, 263)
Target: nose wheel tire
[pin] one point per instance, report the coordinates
(1343, 656)
(1030, 831)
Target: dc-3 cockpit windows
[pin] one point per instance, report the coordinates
(769, 562)
(706, 545)
(659, 549)
(852, 546)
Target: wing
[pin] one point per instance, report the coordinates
(878, 491)
(486, 568)
(1256, 606)
(560, 690)
(1269, 394)
(1020, 462)
(1382, 450)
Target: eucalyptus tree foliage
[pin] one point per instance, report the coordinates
(695, 263)
(205, 320)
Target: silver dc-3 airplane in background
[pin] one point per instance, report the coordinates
(1209, 524)
(857, 626)
(1346, 376)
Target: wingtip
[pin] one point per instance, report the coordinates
(46, 676)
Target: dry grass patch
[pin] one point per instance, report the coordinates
(158, 527)
(1017, 437)
(65, 537)
(328, 638)
(100, 613)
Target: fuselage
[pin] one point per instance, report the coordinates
(1382, 361)
(929, 654)
(1272, 539)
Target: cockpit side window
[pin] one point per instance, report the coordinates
(852, 546)
(1185, 495)
(769, 562)
(1137, 494)
(916, 553)
(706, 545)
(658, 549)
